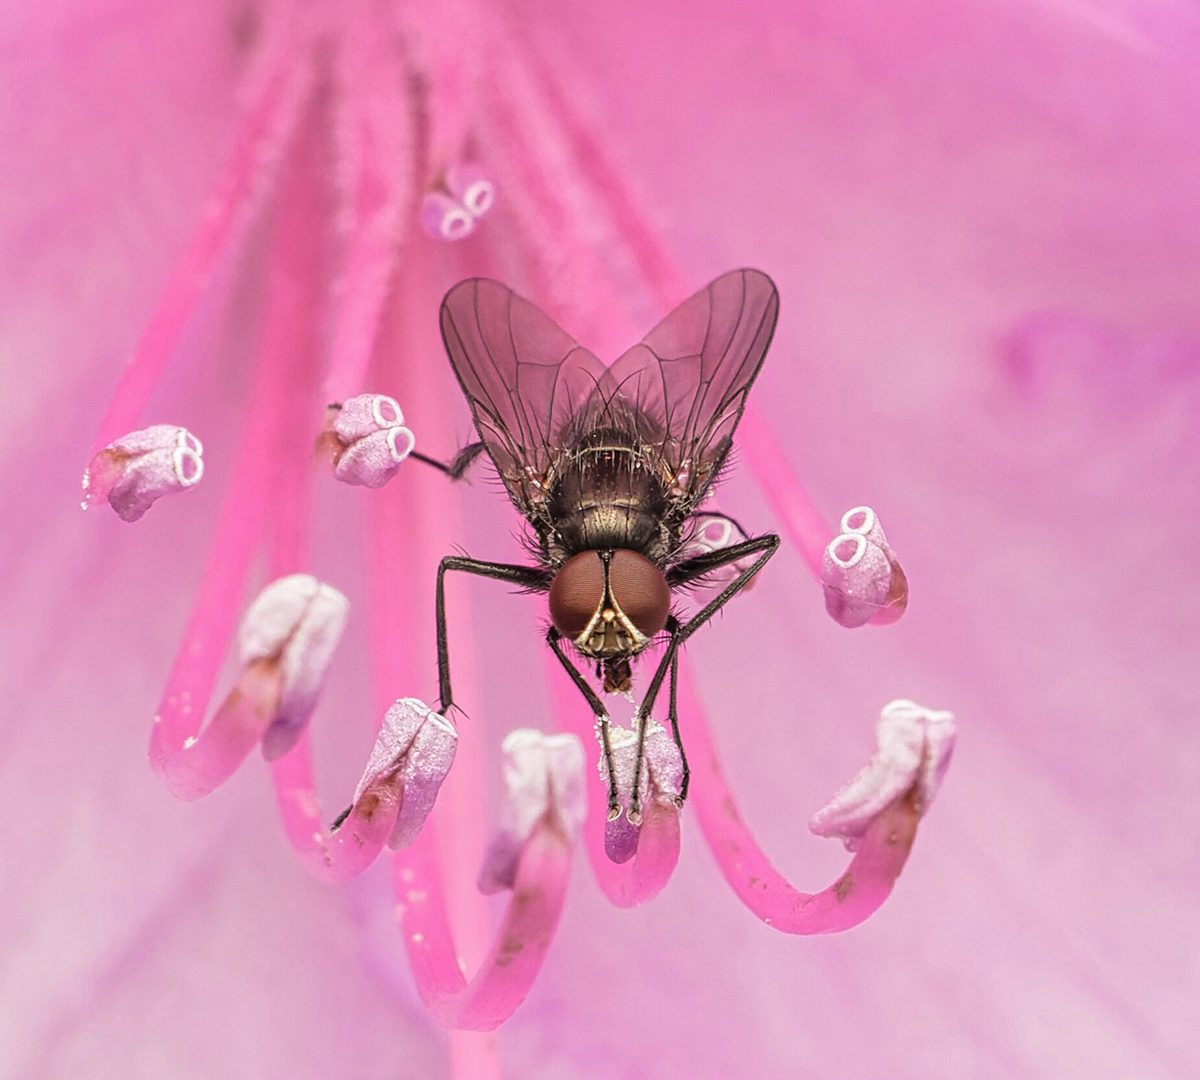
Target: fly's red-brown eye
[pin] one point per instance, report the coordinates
(576, 592)
(640, 589)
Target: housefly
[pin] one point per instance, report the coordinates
(609, 465)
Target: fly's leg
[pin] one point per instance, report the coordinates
(673, 716)
(764, 547)
(553, 639)
(457, 467)
(527, 577)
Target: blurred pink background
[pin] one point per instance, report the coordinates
(983, 221)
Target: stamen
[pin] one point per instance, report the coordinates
(915, 746)
(862, 578)
(295, 623)
(444, 218)
(882, 829)
(376, 153)
(138, 469)
(472, 187)
(262, 137)
(543, 778)
(659, 785)
(413, 753)
(190, 762)
(653, 852)
(367, 440)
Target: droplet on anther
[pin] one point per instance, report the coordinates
(445, 219)
(915, 745)
(413, 753)
(863, 580)
(366, 440)
(295, 623)
(543, 780)
(139, 468)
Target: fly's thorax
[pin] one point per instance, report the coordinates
(609, 602)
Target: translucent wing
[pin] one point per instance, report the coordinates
(684, 385)
(524, 377)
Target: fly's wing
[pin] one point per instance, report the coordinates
(684, 385)
(524, 377)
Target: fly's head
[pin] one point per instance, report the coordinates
(611, 604)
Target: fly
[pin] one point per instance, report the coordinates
(609, 465)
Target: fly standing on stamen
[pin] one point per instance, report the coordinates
(609, 466)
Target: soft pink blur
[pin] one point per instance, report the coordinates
(984, 222)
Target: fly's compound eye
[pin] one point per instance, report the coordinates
(640, 590)
(576, 592)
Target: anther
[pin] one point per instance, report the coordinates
(412, 754)
(445, 219)
(366, 440)
(915, 745)
(139, 468)
(659, 784)
(863, 580)
(294, 625)
(543, 780)
(472, 187)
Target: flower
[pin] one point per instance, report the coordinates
(982, 223)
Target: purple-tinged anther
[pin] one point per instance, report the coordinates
(413, 753)
(715, 533)
(139, 468)
(915, 745)
(661, 782)
(368, 440)
(445, 219)
(862, 578)
(295, 623)
(472, 187)
(543, 780)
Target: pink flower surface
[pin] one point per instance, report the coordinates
(984, 223)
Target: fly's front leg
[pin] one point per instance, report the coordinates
(764, 547)
(553, 639)
(527, 577)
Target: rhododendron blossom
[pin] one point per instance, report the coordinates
(513, 869)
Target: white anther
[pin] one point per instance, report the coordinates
(381, 405)
(915, 745)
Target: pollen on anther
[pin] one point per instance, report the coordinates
(189, 742)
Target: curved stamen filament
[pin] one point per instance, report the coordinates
(265, 130)
(853, 897)
(642, 877)
(517, 950)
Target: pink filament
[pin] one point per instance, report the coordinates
(261, 138)
(642, 877)
(412, 526)
(192, 763)
(445, 36)
(374, 140)
(518, 949)
(855, 895)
